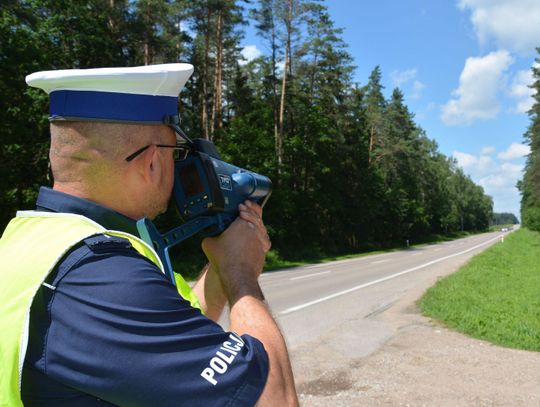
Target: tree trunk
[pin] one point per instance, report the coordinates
(312, 78)
(204, 113)
(288, 25)
(216, 111)
(274, 90)
(371, 143)
(147, 46)
(111, 20)
(178, 44)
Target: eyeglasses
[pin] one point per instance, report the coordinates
(180, 151)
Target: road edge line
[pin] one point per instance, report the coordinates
(380, 280)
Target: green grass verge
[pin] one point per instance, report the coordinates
(496, 296)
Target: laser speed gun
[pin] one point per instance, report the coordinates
(207, 192)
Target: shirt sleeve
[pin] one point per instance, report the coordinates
(118, 330)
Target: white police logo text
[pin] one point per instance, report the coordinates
(224, 357)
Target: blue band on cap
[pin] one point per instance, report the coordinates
(112, 106)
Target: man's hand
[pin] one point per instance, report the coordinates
(238, 254)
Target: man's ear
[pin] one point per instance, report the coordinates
(148, 161)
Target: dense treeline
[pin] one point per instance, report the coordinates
(351, 168)
(504, 218)
(530, 185)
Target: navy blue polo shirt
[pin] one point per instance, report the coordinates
(114, 331)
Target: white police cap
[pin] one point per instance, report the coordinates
(142, 94)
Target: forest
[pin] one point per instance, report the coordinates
(504, 218)
(351, 168)
(530, 185)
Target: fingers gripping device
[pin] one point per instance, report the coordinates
(207, 192)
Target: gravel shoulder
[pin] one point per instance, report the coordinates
(420, 364)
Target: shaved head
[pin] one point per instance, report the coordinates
(90, 151)
(88, 159)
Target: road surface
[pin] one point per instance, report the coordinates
(329, 312)
(313, 301)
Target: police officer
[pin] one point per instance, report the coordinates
(88, 316)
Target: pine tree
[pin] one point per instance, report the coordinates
(267, 28)
(215, 54)
(375, 106)
(530, 186)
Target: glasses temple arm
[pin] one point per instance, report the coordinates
(174, 123)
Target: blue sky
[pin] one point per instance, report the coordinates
(464, 67)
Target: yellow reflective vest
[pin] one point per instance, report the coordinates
(30, 249)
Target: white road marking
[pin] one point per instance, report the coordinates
(311, 275)
(279, 273)
(331, 263)
(380, 261)
(380, 280)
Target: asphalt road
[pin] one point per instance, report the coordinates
(334, 303)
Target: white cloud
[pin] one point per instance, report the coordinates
(417, 90)
(280, 66)
(521, 91)
(497, 176)
(513, 24)
(487, 150)
(402, 78)
(507, 177)
(503, 190)
(250, 52)
(516, 150)
(464, 160)
(513, 169)
(472, 164)
(476, 96)
(495, 181)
